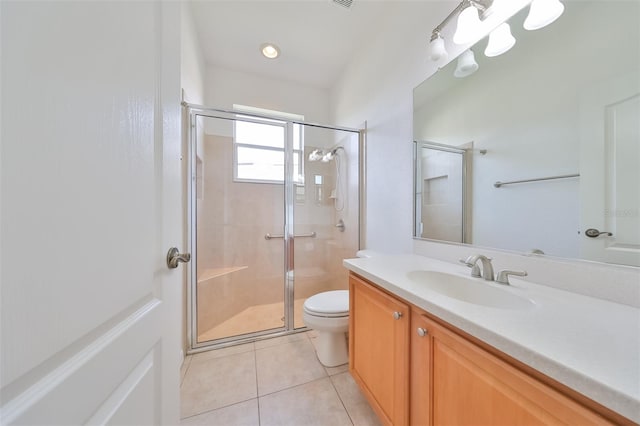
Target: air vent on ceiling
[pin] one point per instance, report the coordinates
(343, 3)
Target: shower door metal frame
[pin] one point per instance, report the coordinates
(194, 111)
(463, 152)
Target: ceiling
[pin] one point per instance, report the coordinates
(317, 38)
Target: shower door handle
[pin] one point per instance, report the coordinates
(174, 257)
(268, 236)
(309, 235)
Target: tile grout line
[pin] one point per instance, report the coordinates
(324, 369)
(216, 359)
(279, 344)
(294, 386)
(342, 401)
(255, 363)
(186, 371)
(216, 409)
(258, 397)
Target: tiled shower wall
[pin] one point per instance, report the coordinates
(442, 195)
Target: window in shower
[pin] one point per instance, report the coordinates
(259, 148)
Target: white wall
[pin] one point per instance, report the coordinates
(376, 87)
(192, 61)
(224, 87)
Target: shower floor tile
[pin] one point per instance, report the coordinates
(284, 390)
(254, 318)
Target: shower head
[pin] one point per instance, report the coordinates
(328, 156)
(319, 154)
(316, 155)
(331, 154)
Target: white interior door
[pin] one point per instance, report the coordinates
(610, 177)
(90, 181)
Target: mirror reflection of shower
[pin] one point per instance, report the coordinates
(326, 157)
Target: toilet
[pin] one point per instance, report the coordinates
(328, 314)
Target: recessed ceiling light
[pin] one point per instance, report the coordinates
(270, 50)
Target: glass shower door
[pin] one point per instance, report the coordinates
(326, 213)
(239, 217)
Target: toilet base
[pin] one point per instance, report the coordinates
(331, 348)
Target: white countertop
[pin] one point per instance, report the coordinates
(589, 344)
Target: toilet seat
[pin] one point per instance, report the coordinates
(329, 304)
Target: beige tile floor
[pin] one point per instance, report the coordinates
(275, 382)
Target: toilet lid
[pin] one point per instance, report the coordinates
(328, 303)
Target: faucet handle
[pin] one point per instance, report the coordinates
(503, 276)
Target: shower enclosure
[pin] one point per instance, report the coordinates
(274, 208)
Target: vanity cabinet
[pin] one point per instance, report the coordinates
(446, 376)
(379, 327)
(463, 384)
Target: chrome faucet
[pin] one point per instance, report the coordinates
(487, 268)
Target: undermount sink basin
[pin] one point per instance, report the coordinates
(470, 290)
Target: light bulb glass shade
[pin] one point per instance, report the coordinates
(437, 50)
(467, 64)
(500, 40)
(542, 13)
(468, 27)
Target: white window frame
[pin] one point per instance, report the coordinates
(299, 153)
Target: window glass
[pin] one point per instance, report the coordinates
(259, 151)
(248, 133)
(260, 164)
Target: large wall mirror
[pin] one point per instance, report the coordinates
(551, 132)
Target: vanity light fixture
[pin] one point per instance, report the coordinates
(471, 14)
(436, 47)
(270, 50)
(500, 41)
(542, 13)
(467, 64)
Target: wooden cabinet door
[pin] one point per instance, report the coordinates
(378, 355)
(470, 386)
(420, 373)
